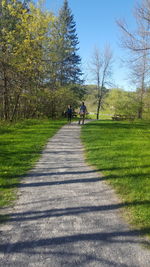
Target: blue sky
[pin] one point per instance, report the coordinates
(96, 26)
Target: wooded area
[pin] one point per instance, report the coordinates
(40, 69)
(39, 64)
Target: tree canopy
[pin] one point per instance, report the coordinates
(39, 64)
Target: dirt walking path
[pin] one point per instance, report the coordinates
(66, 215)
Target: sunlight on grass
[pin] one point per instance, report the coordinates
(20, 145)
(121, 151)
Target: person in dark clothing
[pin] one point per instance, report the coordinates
(69, 113)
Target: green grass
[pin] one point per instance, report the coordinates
(20, 147)
(121, 151)
(102, 116)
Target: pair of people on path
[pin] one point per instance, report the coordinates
(82, 113)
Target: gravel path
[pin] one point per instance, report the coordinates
(66, 215)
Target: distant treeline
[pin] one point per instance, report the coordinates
(119, 101)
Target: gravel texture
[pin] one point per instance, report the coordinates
(66, 215)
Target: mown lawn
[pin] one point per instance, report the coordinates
(121, 151)
(20, 146)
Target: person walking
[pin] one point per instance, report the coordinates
(82, 112)
(69, 113)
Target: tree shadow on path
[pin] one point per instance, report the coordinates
(119, 237)
(40, 214)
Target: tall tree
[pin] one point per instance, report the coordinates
(64, 48)
(39, 65)
(134, 39)
(23, 32)
(138, 44)
(8, 29)
(101, 65)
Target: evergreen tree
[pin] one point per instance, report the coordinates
(65, 47)
(39, 65)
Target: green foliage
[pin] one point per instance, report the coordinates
(55, 102)
(21, 144)
(121, 151)
(63, 49)
(118, 101)
(91, 98)
(146, 104)
(35, 56)
(121, 102)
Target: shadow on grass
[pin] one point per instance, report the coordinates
(5, 131)
(20, 154)
(112, 124)
(4, 218)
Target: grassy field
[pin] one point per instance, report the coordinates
(20, 146)
(102, 116)
(121, 151)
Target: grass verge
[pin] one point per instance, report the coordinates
(20, 146)
(121, 151)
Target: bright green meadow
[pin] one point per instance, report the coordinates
(121, 152)
(20, 147)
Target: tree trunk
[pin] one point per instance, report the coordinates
(140, 113)
(15, 107)
(98, 106)
(140, 109)
(142, 91)
(6, 98)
